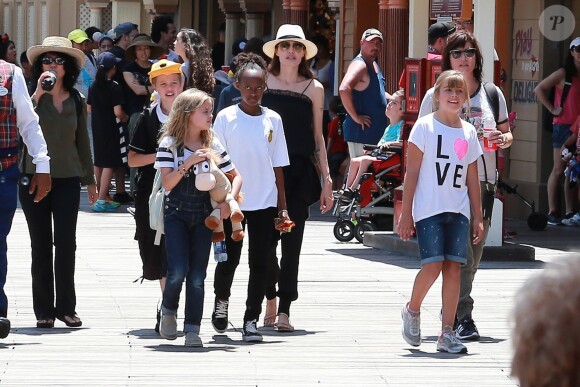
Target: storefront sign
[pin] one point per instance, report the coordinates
(523, 91)
(531, 66)
(446, 8)
(523, 42)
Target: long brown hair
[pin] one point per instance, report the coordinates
(177, 125)
(200, 64)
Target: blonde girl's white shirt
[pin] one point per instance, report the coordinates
(479, 108)
(257, 145)
(447, 153)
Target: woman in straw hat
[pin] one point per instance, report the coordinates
(136, 72)
(62, 114)
(299, 99)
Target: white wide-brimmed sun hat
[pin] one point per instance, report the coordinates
(290, 32)
(56, 44)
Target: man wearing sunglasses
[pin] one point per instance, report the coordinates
(363, 95)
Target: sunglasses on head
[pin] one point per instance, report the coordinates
(575, 49)
(49, 60)
(469, 53)
(298, 47)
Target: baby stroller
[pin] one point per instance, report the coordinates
(371, 207)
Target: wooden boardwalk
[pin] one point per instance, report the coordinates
(347, 319)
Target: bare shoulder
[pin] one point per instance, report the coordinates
(356, 67)
(314, 90)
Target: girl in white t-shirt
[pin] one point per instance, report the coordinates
(254, 138)
(441, 183)
(188, 140)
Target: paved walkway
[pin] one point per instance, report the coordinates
(347, 319)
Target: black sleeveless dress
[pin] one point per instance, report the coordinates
(300, 177)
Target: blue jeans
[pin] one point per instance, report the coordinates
(8, 184)
(187, 243)
(443, 237)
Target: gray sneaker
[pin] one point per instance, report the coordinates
(448, 342)
(573, 221)
(192, 339)
(411, 327)
(168, 326)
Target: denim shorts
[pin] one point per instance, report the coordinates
(560, 133)
(443, 236)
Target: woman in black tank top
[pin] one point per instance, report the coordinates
(298, 98)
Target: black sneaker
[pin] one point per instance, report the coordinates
(466, 330)
(250, 332)
(554, 220)
(122, 197)
(158, 319)
(219, 317)
(4, 327)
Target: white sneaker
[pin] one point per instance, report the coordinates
(573, 221)
(448, 342)
(411, 327)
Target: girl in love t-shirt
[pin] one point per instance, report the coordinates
(447, 153)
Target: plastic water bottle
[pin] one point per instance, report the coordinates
(220, 253)
(488, 128)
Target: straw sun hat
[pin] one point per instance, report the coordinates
(56, 44)
(144, 40)
(290, 32)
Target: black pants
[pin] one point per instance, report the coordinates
(286, 275)
(60, 207)
(152, 255)
(260, 224)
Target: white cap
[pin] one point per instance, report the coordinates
(575, 42)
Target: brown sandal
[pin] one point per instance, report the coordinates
(45, 323)
(71, 321)
(283, 323)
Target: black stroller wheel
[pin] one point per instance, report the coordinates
(537, 221)
(362, 227)
(344, 230)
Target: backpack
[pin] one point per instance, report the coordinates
(156, 200)
(549, 117)
(493, 99)
(156, 206)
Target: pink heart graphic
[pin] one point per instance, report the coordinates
(460, 146)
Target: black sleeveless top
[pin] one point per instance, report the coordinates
(301, 179)
(296, 112)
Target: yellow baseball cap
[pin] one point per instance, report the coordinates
(78, 36)
(164, 67)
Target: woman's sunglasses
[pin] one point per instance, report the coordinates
(298, 47)
(47, 60)
(469, 53)
(575, 49)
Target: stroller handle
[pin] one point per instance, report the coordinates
(393, 148)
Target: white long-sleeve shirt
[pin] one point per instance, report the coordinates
(27, 122)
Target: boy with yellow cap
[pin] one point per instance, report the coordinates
(167, 80)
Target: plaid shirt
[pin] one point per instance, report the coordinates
(8, 128)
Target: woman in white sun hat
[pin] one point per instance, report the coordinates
(62, 113)
(293, 92)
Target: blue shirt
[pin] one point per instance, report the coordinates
(368, 102)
